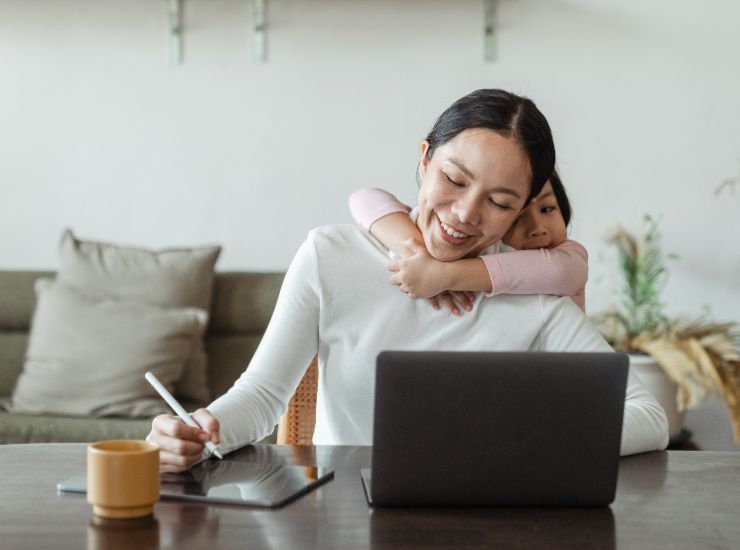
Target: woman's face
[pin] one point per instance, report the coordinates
(540, 225)
(472, 190)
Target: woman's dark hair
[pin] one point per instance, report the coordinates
(507, 114)
(561, 196)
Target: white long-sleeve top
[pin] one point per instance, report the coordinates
(336, 300)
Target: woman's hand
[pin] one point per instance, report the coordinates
(422, 276)
(453, 300)
(181, 446)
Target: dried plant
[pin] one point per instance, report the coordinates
(701, 357)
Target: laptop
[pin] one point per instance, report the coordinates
(496, 428)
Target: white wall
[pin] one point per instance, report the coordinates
(99, 133)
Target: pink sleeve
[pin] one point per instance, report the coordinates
(562, 271)
(369, 204)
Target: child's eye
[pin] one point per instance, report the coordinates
(547, 209)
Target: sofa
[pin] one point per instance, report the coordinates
(241, 307)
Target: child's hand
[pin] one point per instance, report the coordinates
(419, 275)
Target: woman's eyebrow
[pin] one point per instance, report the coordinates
(506, 191)
(462, 167)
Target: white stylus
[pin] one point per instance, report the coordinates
(172, 402)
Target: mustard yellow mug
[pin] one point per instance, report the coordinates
(122, 478)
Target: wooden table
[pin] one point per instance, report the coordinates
(673, 499)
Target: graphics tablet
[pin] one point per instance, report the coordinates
(230, 482)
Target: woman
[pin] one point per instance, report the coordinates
(487, 155)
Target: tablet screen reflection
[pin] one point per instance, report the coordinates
(246, 483)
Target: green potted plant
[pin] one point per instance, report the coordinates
(692, 358)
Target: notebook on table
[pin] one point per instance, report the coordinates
(496, 428)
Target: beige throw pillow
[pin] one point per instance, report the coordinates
(181, 277)
(87, 356)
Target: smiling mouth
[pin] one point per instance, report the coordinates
(451, 235)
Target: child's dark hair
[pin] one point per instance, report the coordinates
(561, 196)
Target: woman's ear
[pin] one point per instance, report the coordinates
(423, 160)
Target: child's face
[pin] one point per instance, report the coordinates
(540, 225)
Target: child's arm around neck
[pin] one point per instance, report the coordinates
(387, 220)
(561, 270)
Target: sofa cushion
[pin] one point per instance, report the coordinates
(17, 301)
(22, 428)
(12, 351)
(181, 277)
(87, 355)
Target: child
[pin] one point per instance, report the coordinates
(541, 260)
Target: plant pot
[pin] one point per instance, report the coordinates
(664, 390)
